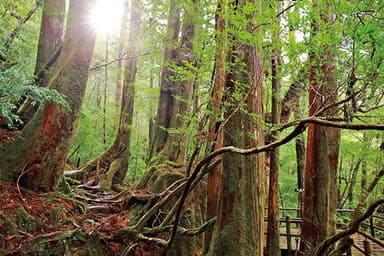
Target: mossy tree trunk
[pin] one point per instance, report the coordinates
(239, 228)
(38, 155)
(50, 42)
(320, 183)
(115, 160)
(167, 85)
(176, 144)
(50, 39)
(215, 131)
(176, 85)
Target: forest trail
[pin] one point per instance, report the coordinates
(357, 238)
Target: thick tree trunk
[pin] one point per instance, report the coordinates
(126, 115)
(176, 144)
(239, 228)
(167, 85)
(320, 192)
(37, 156)
(176, 88)
(121, 56)
(215, 132)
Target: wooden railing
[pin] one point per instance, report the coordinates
(372, 230)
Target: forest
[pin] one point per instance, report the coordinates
(186, 128)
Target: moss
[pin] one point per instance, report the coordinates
(24, 220)
(65, 187)
(58, 214)
(10, 223)
(165, 180)
(149, 178)
(107, 179)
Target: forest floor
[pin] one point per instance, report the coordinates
(58, 224)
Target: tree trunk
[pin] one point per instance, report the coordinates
(126, 115)
(215, 133)
(320, 185)
(175, 147)
(239, 228)
(114, 161)
(300, 167)
(50, 43)
(167, 85)
(37, 156)
(51, 38)
(273, 228)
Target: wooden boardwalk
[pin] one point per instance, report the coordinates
(357, 238)
(365, 242)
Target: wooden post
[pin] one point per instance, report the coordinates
(372, 226)
(349, 251)
(367, 248)
(289, 237)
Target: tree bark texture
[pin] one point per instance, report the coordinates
(51, 37)
(273, 227)
(121, 55)
(37, 156)
(176, 88)
(182, 92)
(320, 188)
(126, 115)
(164, 110)
(215, 132)
(50, 43)
(239, 228)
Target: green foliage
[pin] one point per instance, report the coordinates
(12, 95)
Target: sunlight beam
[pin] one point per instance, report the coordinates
(105, 16)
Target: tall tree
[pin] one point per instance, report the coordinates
(50, 39)
(215, 131)
(50, 43)
(115, 160)
(241, 196)
(320, 183)
(176, 84)
(273, 227)
(37, 156)
(166, 84)
(175, 147)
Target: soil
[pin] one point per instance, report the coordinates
(58, 224)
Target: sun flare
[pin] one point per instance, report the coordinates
(106, 15)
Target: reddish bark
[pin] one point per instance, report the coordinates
(39, 153)
(215, 135)
(164, 110)
(273, 228)
(320, 188)
(241, 206)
